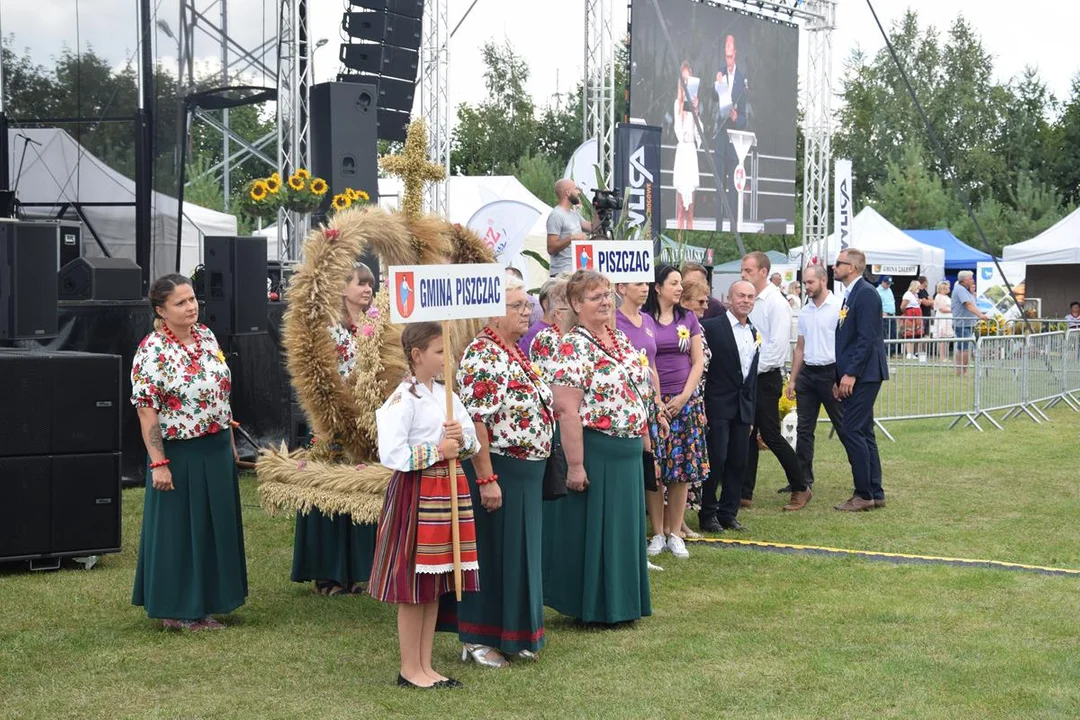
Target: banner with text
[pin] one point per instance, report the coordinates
(842, 205)
(433, 293)
(503, 225)
(620, 261)
(991, 291)
(637, 178)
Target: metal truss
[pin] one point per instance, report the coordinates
(434, 98)
(817, 128)
(293, 114)
(599, 82)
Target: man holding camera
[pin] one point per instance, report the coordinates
(564, 226)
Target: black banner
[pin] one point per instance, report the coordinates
(637, 172)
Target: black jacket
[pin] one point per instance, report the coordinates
(727, 395)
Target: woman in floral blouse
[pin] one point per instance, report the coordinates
(336, 552)
(191, 562)
(544, 345)
(511, 408)
(594, 538)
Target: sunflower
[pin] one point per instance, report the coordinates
(277, 176)
(259, 190)
(296, 182)
(319, 187)
(350, 193)
(363, 195)
(303, 174)
(341, 202)
(273, 184)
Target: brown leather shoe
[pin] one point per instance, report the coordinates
(799, 498)
(879, 504)
(856, 504)
(744, 503)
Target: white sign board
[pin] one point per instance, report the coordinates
(895, 270)
(433, 293)
(990, 289)
(620, 261)
(844, 210)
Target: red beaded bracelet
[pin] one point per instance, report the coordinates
(159, 463)
(487, 480)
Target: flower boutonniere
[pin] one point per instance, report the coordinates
(843, 316)
(684, 337)
(644, 359)
(757, 340)
(220, 355)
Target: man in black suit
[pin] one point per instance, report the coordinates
(723, 151)
(861, 367)
(730, 393)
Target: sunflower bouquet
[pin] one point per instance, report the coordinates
(263, 197)
(349, 197)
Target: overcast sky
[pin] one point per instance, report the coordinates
(548, 33)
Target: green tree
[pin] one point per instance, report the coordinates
(1064, 147)
(538, 173)
(912, 196)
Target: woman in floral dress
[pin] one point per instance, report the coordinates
(681, 455)
(512, 410)
(594, 538)
(334, 551)
(191, 562)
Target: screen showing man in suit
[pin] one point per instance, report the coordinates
(740, 127)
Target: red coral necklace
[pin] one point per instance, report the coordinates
(515, 354)
(194, 351)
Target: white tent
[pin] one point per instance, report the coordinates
(58, 170)
(1058, 245)
(884, 244)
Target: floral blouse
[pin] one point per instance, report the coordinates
(346, 348)
(613, 391)
(498, 392)
(190, 395)
(544, 352)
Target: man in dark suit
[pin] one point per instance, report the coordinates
(723, 151)
(861, 367)
(730, 393)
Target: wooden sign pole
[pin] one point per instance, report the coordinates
(448, 381)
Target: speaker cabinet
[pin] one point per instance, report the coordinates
(29, 257)
(59, 505)
(96, 278)
(344, 137)
(234, 286)
(59, 402)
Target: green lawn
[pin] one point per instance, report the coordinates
(736, 633)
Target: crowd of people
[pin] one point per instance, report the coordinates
(584, 438)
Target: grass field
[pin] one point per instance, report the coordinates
(735, 633)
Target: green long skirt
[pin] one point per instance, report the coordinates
(191, 552)
(332, 548)
(595, 566)
(508, 612)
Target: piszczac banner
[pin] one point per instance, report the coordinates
(637, 172)
(432, 293)
(620, 261)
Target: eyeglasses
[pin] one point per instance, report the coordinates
(838, 263)
(519, 307)
(600, 298)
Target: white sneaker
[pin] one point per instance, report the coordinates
(909, 356)
(677, 547)
(656, 545)
(657, 568)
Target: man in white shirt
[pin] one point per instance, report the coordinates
(771, 317)
(813, 372)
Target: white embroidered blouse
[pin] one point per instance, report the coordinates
(411, 427)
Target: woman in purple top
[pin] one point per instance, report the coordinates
(681, 455)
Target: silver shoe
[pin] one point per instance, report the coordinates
(484, 656)
(527, 655)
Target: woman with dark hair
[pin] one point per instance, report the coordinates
(681, 455)
(191, 563)
(334, 551)
(595, 568)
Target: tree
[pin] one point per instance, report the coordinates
(1064, 147)
(538, 173)
(912, 196)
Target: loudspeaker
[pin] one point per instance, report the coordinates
(96, 278)
(394, 62)
(344, 140)
(382, 27)
(411, 8)
(28, 293)
(391, 93)
(70, 242)
(59, 402)
(59, 505)
(234, 286)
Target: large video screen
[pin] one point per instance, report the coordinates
(728, 130)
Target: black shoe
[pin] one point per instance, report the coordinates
(785, 489)
(403, 683)
(733, 525)
(711, 525)
(449, 683)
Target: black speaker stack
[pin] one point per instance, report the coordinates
(59, 454)
(232, 287)
(385, 57)
(29, 257)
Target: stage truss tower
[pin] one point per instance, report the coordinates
(434, 98)
(598, 111)
(293, 115)
(820, 17)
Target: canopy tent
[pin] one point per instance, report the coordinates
(958, 254)
(1060, 244)
(884, 244)
(735, 266)
(59, 172)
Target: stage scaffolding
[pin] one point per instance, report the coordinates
(434, 98)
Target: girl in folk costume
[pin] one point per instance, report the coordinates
(413, 565)
(335, 551)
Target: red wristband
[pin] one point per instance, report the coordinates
(159, 463)
(487, 480)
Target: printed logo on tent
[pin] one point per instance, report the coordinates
(585, 258)
(406, 294)
(987, 273)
